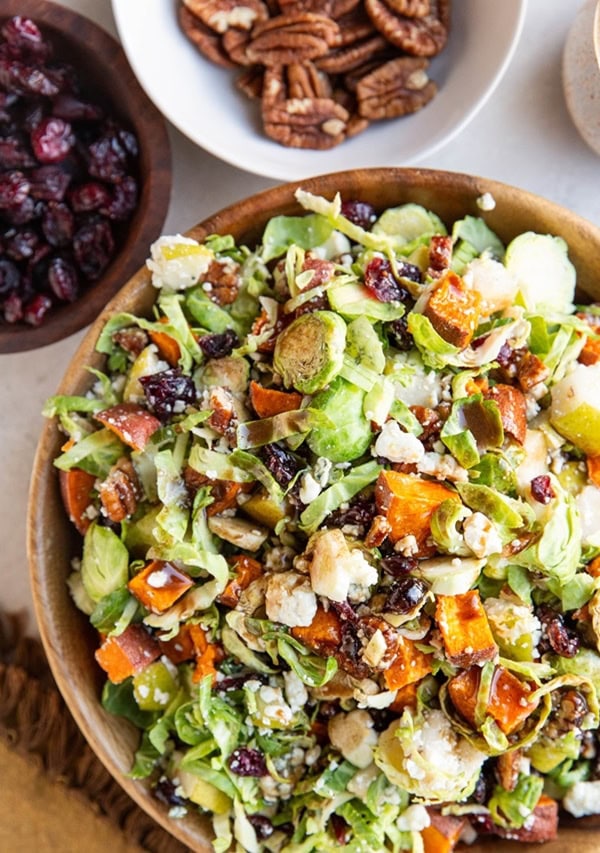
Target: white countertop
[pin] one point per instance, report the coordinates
(523, 136)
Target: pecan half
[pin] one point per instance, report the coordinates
(424, 36)
(235, 43)
(221, 15)
(344, 59)
(319, 7)
(120, 491)
(317, 123)
(292, 38)
(398, 88)
(304, 80)
(206, 40)
(250, 81)
(411, 8)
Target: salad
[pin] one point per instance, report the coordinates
(339, 499)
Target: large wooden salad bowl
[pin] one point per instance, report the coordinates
(52, 542)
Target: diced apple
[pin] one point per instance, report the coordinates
(131, 423)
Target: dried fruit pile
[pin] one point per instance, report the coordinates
(323, 70)
(67, 183)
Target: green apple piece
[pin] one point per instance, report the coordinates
(575, 408)
(544, 273)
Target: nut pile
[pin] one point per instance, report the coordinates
(323, 70)
(67, 182)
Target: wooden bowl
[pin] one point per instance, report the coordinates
(68, 639)
(111, 83)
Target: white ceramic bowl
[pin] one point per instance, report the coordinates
(201, 100)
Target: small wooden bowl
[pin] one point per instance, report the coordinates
(110, 81)
(52, 542)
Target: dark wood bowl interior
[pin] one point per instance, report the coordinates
(67, 637)
(108, 80)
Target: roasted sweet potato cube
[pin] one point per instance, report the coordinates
(443, 833)
(246, 570)
(268, 402)
(166, 345)
(541, 825)
(508, 702)
(207, 655)
(453, 310)
(323, 635)
(127, 654)
(408, 502)
(406, 697)
(131, 423)
(159, 585)
(75, 488)
(409, 666)
(593, 469)
(513, 409)
(465, 629)
(183, 645)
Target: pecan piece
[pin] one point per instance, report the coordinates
(221, 15)
(291, 38)
(440, 254)
(317, 123)
(347, 58)
(306, 81)
(132, 339)
(206, 40)
(235, 43)
(250, 82)
(424, 36)
(531, 370)
(398, 88)
(378, 532)
(120, 491)
(223, 418)
(318, 7)
(222, 281)
(411, 8)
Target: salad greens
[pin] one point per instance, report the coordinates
(339, 499)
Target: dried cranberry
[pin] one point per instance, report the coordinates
(49, 182)
(32, 114)
(381, 282)
(58, 223)
(360, 513)
(399, 334)
(247, 762)
(20, 245)
(168, 392)
(165, 792)
(541, 489)
(14, 189)
(9, 277)
(13, 308)
(398, 566)
(107, 159)
(63, 279)
(15, 153)
(281, 463)
(52, 140)
(340, 829)
(350, 645)
(93, 245)
(262, 826)
(19, 77)
(562, 639)
(35, 310)
(71, 108)
(63, 76)
(123, 201)
(218, 345)
(89, 196)
(361, 213)
(22, 212)
(405, 594)
(24, 38)
(409, 271)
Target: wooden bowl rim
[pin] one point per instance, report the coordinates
(154, 161)
(253, 211)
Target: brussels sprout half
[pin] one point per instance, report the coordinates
(309, 353)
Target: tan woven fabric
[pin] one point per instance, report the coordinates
(56, 795)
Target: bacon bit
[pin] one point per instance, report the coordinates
(159, 585)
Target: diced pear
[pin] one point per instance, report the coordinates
(262, 508)
(147, 363)
(575, 408)
(203, 793)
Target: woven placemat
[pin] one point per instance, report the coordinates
(36, 725)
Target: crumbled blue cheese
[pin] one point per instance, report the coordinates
(354, 736)
(486, 201)
(414, 818)
(481, 535)
(583, 799)
(309, 488)
(398, 446)
(290, 600)
(338, 573)
(178, 262)
(295, 691)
